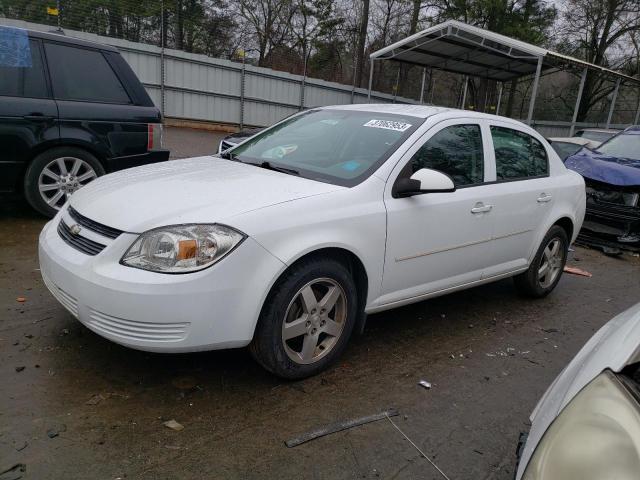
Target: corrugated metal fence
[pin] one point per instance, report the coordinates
(196, 87)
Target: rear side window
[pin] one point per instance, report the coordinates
(23, 76)
(83, 75)
(456, 151)
(518, 155)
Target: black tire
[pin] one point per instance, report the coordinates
(38, 164)
(528, 283)
(268, 346)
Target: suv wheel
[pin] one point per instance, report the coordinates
(546, 269)
(307, 319)
(55, 174)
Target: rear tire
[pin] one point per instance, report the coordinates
(55, 174)
(307, 319)
(546, 268)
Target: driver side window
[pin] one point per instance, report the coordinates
(456, 151)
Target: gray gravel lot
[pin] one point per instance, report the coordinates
(489, 354)
(189, 142)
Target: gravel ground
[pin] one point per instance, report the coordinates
(189, 142)
(74, 405)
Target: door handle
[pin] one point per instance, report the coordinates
(481, 208)
(37, 117)
(544, 198)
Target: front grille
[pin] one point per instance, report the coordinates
(99, 228)
(79, 243)
(136, 330)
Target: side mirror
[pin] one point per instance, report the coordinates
(424, 180)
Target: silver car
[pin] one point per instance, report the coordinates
(587, 424)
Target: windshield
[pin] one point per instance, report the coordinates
(565, 149)
(623, 145)
(342, 147)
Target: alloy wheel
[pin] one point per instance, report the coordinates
(61, 177)
(550, 263)
(314, 321)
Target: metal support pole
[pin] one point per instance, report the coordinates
(370, 81)
(613, 103)
(395, 90)
(534, 91)
(424, 75)
(464, 92)
(303, 84)
(353, 85)
(242, 84)
(58, 9)
(499, 98)
(162, 72)
(635, 121)
(578, 100)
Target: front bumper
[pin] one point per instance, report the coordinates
(120, 163)
(609, 224)
(214, 308)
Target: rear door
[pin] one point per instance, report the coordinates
(94, 104)
(28, 114)
(522, 195)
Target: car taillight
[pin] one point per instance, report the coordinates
(154, 136)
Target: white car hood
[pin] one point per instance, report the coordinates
(613, 347)
(203, 189)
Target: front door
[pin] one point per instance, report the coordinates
(436, 241)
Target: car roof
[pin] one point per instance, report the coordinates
(60, 37)
(420, 111)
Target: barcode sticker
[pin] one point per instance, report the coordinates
(388, 125)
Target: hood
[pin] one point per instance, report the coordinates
(195, 190)
(604, 168)
(613, 347)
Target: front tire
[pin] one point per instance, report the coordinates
(55, 174)
(307, 319)
(546, 268)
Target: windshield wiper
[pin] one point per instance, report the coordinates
(270, 166)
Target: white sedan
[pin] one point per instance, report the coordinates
(287, 241)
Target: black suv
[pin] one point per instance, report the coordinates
(70, 111)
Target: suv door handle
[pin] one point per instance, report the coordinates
(38, 117)
(481, 208)
(544, 198)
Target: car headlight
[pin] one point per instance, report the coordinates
(182, 248)
(596, 436)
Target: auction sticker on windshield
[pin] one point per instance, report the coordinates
(388, 125)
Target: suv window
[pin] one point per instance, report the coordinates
(84, 75)
(518, 155)
(23, 77)
(456, 151)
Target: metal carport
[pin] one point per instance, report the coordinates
(456, 47)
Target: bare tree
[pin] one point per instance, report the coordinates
(362, 40)
(595, 30)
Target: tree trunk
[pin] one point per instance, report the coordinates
(512, 92)
(413, 28)
(362, 40)
(179, 25)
